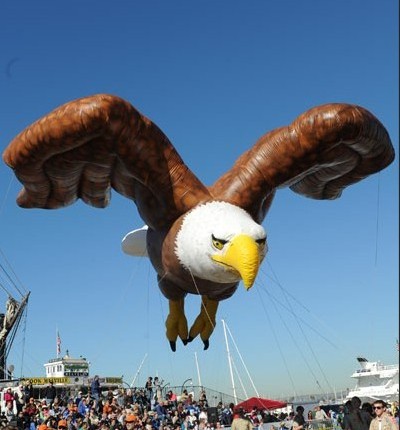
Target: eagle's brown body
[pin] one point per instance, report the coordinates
(88, 146)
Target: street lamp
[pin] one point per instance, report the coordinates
(184, 382)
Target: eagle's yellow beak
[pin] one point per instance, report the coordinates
(243, 255)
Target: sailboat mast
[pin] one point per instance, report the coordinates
(230, 362)
(198, 370)
(138, 371)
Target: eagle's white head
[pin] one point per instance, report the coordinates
(220, 242)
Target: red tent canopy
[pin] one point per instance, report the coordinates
(260, 403)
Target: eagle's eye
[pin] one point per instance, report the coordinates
(218, 243)
(261, 242)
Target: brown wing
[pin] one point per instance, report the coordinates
(88, 146)
(324, 150)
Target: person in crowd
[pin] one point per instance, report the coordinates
(51, 422)
(357, 419)
(8, 396)
(9, 413)
(30, 409)
(50, 394)
(241, 422)
(320, 414)
(149, 388)
(203, 399)
(19, 398)
(44, 412)
(382, 420)
(95, 390)
(347, 409)
(203, 415)
(172, 398)
(227, 414)
(161, 410)
(62, 425)
(299, 422)
(28, 391)
(23, 420)
(83, 407)
(366, 406)
(157, 384)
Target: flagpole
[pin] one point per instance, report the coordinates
(58, 343)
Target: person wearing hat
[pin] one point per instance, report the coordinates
(44, 412)
(130, 421)
(43, 427)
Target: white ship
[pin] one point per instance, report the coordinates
(69, 372)
(375, 381)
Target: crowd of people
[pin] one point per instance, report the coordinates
(151, 408)
(353, 415)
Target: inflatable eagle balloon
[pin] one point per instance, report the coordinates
(201, 240)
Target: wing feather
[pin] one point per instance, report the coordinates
(323, 151)
(86, 147)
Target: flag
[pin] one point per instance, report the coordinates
(58, 344)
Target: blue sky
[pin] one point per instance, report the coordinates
(214, 76)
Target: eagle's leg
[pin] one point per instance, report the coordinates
(176, 323)
(205, 322)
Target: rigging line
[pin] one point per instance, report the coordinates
(277, 340)
(14, 274)
(302, 320)
(308, 343)
(240, 379)
(160, 299)
(5, 289)
(297, 301)
(24, 338)
(377, 219)
(33, 358)
(241, 359)
(301, 353)
(13, 334)
(29, 370)
(202, 304)
(276, 281)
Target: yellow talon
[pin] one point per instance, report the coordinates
(176, 323)
(204, 324)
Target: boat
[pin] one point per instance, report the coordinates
(67, 372)
(9, 323)
(375, 381)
